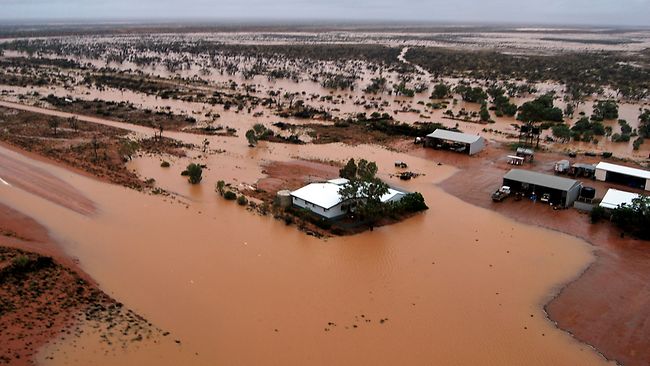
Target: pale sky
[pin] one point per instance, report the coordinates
(589, 12)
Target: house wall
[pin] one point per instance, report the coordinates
(330, 213)
(601, 175)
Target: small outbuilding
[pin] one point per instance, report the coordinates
(614, 199)
(631, 177)
(561, 191)
(455, 141)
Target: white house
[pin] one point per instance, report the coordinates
(615, 198)
(324, 199)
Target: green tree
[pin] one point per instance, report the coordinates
(484, 114)
(634, 218)
(127, 149)
(194, 172)
(364, 191)
(54, 123)
(73, 122)
(349, 171)
(540, 109)
(644, 123)
(562, 132)
(251, 137)
(440, 91)
(221, 187)
(605, 109)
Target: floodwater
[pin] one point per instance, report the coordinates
(456, 285)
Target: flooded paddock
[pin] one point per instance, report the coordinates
(237, 288)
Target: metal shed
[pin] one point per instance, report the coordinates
(456, 141)
(631, 177)
(563, 191)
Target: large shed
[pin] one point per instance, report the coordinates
(562, 191)
(631, 177)
(457, 141)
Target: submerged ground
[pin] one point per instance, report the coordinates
(465, 282)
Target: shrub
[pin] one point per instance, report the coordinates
(221, 185)
(598, 213)
(242, 200)
(230, 196)
(413, 202)
(165, 164)
(194, 172)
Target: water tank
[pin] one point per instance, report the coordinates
(284, 198)
(588, 192)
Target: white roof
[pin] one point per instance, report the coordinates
(615, 198)
(326, 195)
(454, 136)
(626, 170)
(338, 181)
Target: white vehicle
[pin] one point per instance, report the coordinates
(501, 194)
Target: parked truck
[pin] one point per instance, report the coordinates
(501, 194)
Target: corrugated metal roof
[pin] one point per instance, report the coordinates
(615, 198)
(326, 195)
(626, 170)
(454, 136)
(540, 179)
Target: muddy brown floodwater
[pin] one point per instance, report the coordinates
(457, 284)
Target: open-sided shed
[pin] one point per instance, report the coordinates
(456, 141)
(562, 191)
(631, 177)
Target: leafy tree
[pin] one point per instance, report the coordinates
(562, 132)
(73, 122)
(644, 123)
(95, 145)
(54, 123)
(605, 109)
(127, 148)
(626, 129)
(194, 172)
(484, 113)
(412, 202)
(251, 137)
(349, 171)
(472, 95)
(221, 187)
(540, 109)
(634, 218)
(242, 200)
(366, 170)
(365, 190)
(440, 91)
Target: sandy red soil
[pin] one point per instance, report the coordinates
(34, 317)
(608, 306)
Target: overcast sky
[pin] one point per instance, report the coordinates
(592, 12)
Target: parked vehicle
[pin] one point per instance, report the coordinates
(400, 164)
(501, 194)
(546, 197)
